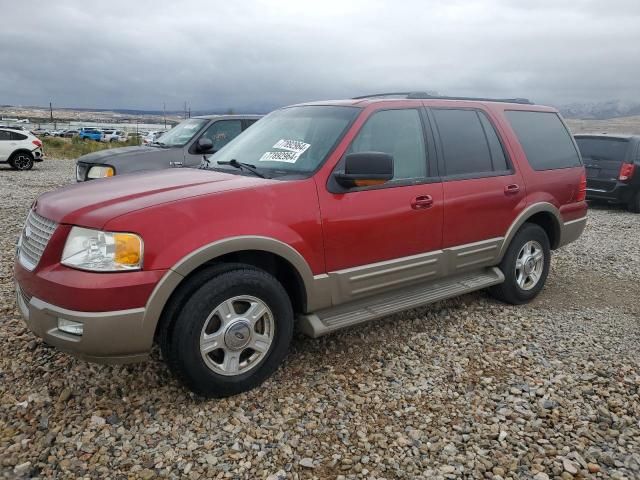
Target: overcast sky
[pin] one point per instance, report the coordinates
(259, 54)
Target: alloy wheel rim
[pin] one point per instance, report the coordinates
(21, 161)
(529, 265)
(237, 335)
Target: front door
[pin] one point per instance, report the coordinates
(376, 237)
(220, 133)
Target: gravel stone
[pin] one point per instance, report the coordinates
(465, 388)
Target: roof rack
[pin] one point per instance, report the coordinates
(425, 95)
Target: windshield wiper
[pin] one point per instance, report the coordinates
(243, 166)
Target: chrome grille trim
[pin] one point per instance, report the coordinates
(35, 236)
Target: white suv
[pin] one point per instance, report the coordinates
(114, 136)
(20, 149)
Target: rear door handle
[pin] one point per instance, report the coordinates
(421, 202)
(511, 189)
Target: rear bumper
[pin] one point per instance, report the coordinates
(108, 337)
(571, 230)
(619, 192)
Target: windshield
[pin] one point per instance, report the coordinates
(598, 149)
(291, 140)
(181, 133)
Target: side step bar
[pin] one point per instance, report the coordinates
(331, 319)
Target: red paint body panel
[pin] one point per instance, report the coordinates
(178, 211)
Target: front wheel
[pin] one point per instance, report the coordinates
(231, 334)
(525, 266)
(21, 161)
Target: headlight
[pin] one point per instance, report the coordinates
(101, 171)
(99, 251)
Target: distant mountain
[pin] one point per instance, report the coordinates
(600, 110)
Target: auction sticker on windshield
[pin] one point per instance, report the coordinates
(288, 157)
(292, 145)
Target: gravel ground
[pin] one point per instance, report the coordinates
(464, 388)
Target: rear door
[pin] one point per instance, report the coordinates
(483, 192)
(6, 146)
(602, 159)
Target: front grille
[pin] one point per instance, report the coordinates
(81, 171)
(35, 235)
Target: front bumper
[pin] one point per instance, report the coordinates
(108, 337)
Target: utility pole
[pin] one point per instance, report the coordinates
(164, 114)
(185, 109)
(189, 111)
(55, 126)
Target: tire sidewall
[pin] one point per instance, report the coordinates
(188, 327)
(29, 165)
(527, 233)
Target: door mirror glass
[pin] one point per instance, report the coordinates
(205, 144)
(365, 169)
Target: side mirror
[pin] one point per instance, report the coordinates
(365, 169)
(205, 144)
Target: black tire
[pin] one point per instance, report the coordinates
(510, 291)
(21, 161)
(193, 304)
(634, 203)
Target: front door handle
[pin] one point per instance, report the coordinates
(421, 202)
(511, 189)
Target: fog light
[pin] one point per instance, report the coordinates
(69, 326)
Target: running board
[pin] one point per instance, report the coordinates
(360, 311)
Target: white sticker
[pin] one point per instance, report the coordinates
(292, 145)
(288, 157)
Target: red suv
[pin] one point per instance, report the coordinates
(324, 215)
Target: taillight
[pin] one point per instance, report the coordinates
(37, 143)
(581, 194)
(626, 171)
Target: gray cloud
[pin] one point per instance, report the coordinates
(259, 54)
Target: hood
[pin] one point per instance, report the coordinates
(133, 155)
(92, 204)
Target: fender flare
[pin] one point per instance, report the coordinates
(526, 214)
(190, 262)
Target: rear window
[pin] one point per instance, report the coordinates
(544, 138)
(599, 149)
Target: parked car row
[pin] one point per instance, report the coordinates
(324, 215)
(97, 134)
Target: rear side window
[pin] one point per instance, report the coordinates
(469, 143)
(18, 136)
(599, 149)
(544, 138)
(4, 135)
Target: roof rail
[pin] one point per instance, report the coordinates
(425, 95)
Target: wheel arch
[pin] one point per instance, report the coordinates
(21, 150)
(271, 255)
(543, 214)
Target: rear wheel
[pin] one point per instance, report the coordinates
(21, 161)
(231, 334)
(525, 266)
(634, 203)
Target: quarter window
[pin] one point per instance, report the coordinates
(398, 133)
(544, 139)
(470, 144)
(4, 135)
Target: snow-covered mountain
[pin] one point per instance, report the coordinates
(600, 110)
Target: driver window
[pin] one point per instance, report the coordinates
(398, 133)
(222, 132)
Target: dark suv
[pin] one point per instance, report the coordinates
(183, 145)
(322, 215)
(613, 168)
